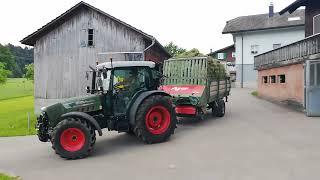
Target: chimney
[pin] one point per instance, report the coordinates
(271, 10)
(210, 50)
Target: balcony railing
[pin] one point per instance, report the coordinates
(289, 54)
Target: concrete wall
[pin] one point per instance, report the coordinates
(291, 90)
(265, 39)
(62, 56)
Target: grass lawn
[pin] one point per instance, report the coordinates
(6, 177)
(16, 87)
(16, 100)
(13, 116)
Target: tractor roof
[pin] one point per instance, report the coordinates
(116, 64)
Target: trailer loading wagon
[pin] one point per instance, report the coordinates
(196, 84)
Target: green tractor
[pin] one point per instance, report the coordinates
(124, 98)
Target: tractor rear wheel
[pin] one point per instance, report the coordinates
(221, 109)
(73, 138)
(155, 119)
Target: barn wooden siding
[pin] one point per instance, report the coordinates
(62, 56)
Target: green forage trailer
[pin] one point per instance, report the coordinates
(196, 84)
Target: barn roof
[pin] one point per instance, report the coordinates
(294, 6)
(32, 38)
(264, 22)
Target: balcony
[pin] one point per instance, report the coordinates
(296, 52)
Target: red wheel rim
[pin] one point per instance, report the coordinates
(158, 120)
(72, 139)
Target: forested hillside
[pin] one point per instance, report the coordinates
(15, 58)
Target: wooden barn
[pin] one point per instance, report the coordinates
(66, 46)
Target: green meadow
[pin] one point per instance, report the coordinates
(16, 101)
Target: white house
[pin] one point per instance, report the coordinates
(261, 33)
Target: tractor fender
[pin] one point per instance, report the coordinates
(86, 117)
(134, 107)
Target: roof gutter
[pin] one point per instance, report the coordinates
(153, 42)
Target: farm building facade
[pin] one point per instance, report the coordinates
(260, 33)
(291, 74)
(65, 47)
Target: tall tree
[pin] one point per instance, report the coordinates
(174, 50)
(3, 73)
(29, 71)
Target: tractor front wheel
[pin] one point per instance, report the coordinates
(155, 119)
(73, 138)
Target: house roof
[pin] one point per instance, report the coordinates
(32, 38)
(264, 22)
(231, 46)
(294, 6)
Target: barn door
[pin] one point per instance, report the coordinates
(313, 88)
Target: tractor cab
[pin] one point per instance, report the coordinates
(120, 82)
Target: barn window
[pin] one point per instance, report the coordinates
(273, 79)
(282, 78)
(90, 37)
(265, 79)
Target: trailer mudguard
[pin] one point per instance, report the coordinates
(134, 107)
(86, 117)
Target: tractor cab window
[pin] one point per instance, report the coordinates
(103, 81)
(126, 83)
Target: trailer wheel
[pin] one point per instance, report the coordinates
(221, 109)
(73, 138)
(155, 120)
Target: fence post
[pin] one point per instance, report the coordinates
(28, 121)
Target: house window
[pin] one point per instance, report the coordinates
(265, 79)
(233, 55)
(282, 78)
(273, 79)
(254, 49)
(316, 24)
(90, 37)
(276, 46)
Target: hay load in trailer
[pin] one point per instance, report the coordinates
(196, 84)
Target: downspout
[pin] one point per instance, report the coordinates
(144, 51)
(242, 61)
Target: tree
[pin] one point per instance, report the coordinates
(29, 71)
(22, 57)
(192, 53)
(174, 50)
(3, 73)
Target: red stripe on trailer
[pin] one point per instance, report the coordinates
(183, 89)
(188, 110)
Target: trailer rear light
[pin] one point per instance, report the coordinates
(188, 110)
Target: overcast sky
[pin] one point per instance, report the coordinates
(188, 23)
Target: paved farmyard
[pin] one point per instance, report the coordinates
(255, 140)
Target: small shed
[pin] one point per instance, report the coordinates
(66, 46)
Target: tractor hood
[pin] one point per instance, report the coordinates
(79, 104)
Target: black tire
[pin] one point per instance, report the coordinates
(86, 131)
(221, 109)
(141, 128)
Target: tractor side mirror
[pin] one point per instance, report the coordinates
(88, 89)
